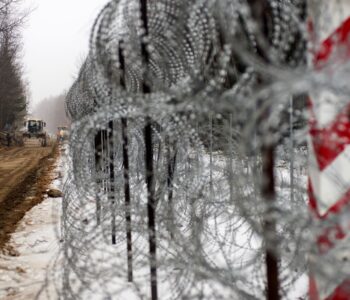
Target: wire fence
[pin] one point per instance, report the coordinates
(188, 153)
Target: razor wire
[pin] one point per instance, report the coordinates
(219, 85)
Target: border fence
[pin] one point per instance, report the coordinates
(187, 171)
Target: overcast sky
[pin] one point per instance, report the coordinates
(55, 41)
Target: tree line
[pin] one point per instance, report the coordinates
(13, 89)
(52, 111)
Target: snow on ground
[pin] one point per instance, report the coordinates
(25, 272)
(29, 275)
(232, 254)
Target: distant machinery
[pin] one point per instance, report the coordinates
(34, 129)
(62, 133)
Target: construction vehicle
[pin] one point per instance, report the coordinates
(34, 130)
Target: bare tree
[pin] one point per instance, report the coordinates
(13, 90)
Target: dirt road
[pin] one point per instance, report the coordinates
(22, 183)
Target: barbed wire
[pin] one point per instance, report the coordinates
(213, 85)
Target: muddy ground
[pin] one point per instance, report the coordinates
(25, 174)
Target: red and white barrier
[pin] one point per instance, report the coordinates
(329, 148)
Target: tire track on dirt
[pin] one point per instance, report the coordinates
(24, 177)
(15, 165)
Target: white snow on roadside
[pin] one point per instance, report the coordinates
(36, 241)
(36, 272)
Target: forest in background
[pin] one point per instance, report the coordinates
(52, 111)
(13, 88)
